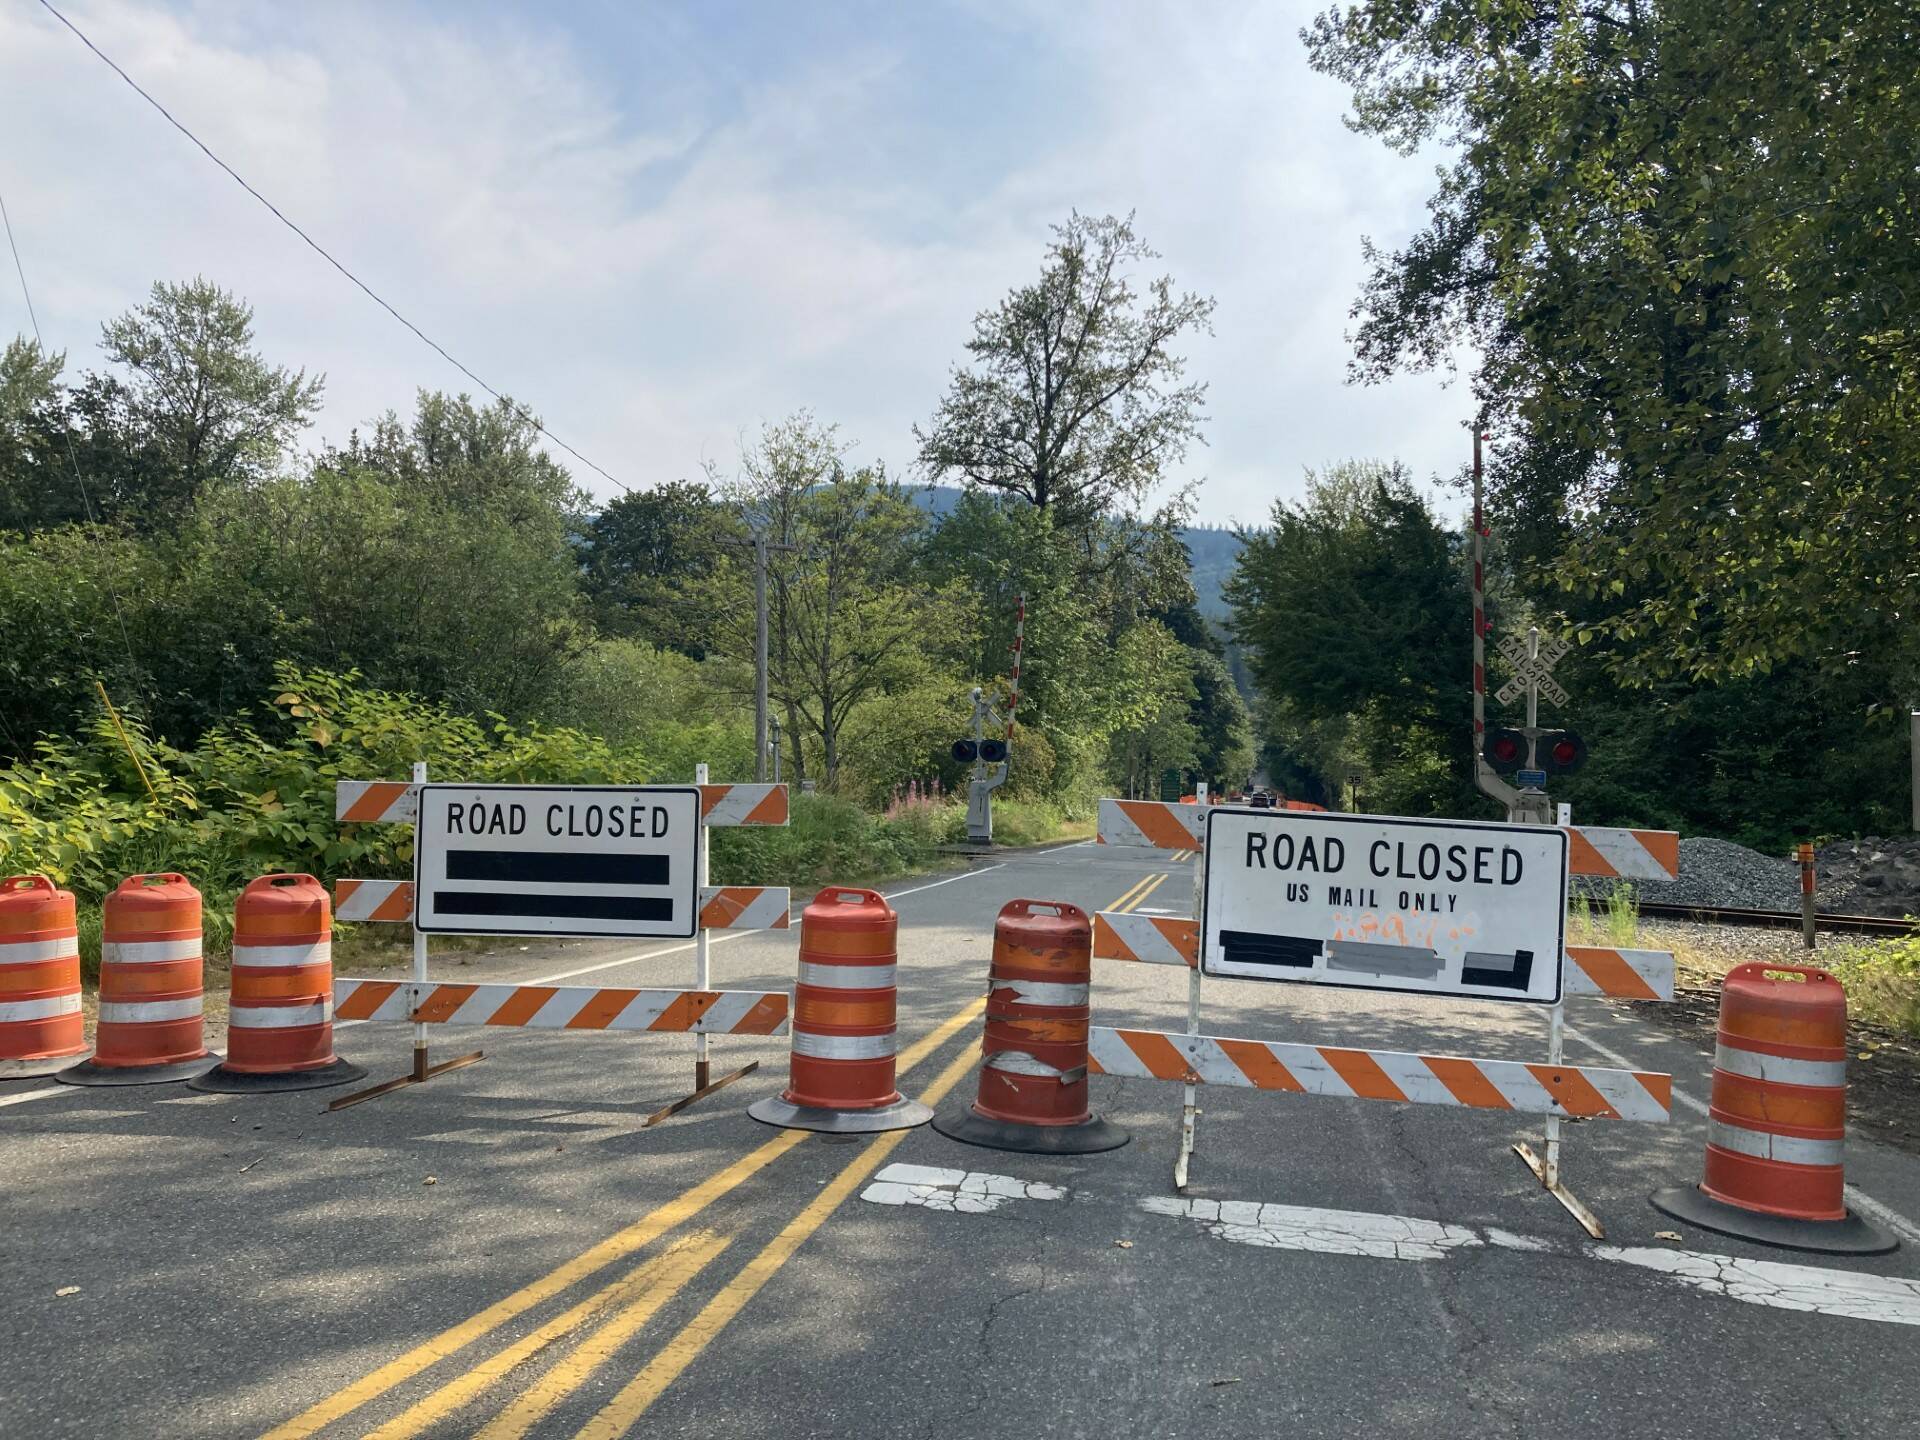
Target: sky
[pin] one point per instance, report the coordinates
(662, 225)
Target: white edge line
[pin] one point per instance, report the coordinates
(40, 1094)
(1879, 1210)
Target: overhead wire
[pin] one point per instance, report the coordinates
(326, 255)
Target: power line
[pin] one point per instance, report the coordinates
(126, 640)
(322, 252)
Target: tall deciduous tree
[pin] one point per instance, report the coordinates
(197, 404)
(1074, 396)
(1685, 239)
(1350, 608)
(646, 552)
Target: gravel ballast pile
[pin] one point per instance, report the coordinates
(1873, 876)
(1718, 872)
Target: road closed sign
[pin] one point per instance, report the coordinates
(557, 860)
(1381, 903)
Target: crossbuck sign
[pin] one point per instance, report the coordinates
(1475, 910)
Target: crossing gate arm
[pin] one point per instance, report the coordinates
(564, 1007)
(1587, 1092)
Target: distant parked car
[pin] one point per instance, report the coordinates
(1260, 800)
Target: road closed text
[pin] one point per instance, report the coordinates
(570, 819)
(1457, 862)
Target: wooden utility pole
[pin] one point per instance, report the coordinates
(761, 547)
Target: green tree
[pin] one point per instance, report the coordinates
(1074, 397)
(198, 405)
(37, 483)
(1683, 238)
(646, 551)
(1350, 611)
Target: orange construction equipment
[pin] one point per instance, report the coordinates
(1776, 1131)
(1033, 1082)
(843, 1022)
(41, 1027)
(151, 996)
(280, 1015)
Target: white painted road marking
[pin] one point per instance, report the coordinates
(1849, 1294)
(960, 1192)
(1327, 1232)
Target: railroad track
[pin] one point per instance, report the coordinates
(1782, 919)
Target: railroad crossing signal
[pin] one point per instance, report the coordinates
(1531, 666)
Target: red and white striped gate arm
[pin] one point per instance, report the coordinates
(564, 1007)
(1154, 824)
(743, 804)
(369, 802)
(379, 901)
(1623, 854)
(1622, 974)
(1590, 1092)
(722, 907)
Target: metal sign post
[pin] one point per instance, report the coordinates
(422, 1070)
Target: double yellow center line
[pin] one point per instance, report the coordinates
(621, 1309)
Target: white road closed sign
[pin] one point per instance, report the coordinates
(1383, 903)
(557, 860)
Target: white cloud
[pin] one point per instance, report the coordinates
(659, 250)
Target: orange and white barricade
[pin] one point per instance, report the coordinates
(1777, 1127)
(701, 1011)
(42, 1028)
(841, 1078)
(1033, 1077)
(280, 1010)
(152, 987)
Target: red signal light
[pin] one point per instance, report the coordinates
(1506, 749)
(1565, 752)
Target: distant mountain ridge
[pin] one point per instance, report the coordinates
(1213, 548)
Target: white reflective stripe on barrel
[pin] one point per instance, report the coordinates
(842, 1047)
(280, 1017)
(47, 1007)
(847, 977)
(143, 1012)
(1758, 1066)
(28, 952)
(254, 957)
(1763, 1145)
(1041, 992)
(1018, 1062)
(148, 952)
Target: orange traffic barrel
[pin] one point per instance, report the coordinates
(151, 996)
(1776, 1130)
(280, 1013)
(842, 1064)
(41, 1027)
(1033, 1080)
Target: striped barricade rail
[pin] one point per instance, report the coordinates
(1623, 854)
(1587, 1092)
(1152, 824)
(1588, 969)
(1619, 974)
(1148, 939)
(743, 804)
(564, 1007)
(722, 907)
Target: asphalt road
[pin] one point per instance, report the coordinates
(506, 1251)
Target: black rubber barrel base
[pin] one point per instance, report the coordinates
(1851, 1236)
(900, 1115)
(35, 1069)
(222, 1081)
(89, 1072)
(1089, 1137)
